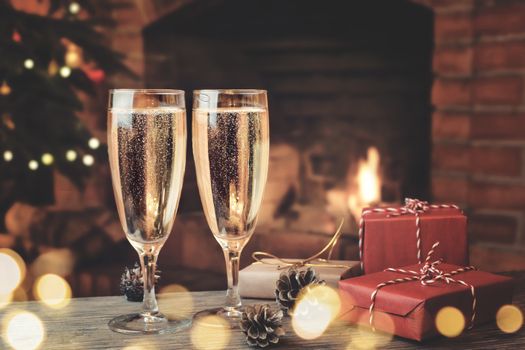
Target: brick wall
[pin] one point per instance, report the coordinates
(478, 158)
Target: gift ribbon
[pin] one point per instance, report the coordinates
(412, 206)
(315, 260)
(427, 275)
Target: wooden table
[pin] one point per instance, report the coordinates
(83, 325)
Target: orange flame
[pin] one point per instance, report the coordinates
(366, 186)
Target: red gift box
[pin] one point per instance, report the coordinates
(408, 308)
(393, 237)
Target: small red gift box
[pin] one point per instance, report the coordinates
(409, 308)
(400, 236)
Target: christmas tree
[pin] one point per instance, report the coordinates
(46, 59)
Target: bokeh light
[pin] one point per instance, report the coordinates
(64, 71)
(367, 339)
(12, 270)
(210, 333)
(88, 160)
(176, 302)
(47, 159)
(93, 143)
(71, 155)
(58, 261)
(74, 8)
(450, 321)
(8, 156)
(33, 164)
(73, 56)
(52, 290)
(29, 63)
(509, 319)
(314, 311)
(23, 330)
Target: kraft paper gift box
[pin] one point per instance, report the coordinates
(258, 279)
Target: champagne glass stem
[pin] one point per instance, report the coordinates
(149, 264)
(233, 299)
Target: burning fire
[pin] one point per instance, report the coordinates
(365, 187)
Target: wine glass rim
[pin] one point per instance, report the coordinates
(232, 91)
(150, 91)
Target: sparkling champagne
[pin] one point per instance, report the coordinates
(147, 153)
(231, 147)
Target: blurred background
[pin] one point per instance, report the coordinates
(370, 102)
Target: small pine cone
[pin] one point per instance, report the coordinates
(132, 283)
(290, 284)
(261, 325)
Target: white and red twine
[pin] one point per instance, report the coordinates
(428, 274)
(412, 206)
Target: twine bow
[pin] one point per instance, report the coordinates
(428, 274)
(314, 260)
(412, 206)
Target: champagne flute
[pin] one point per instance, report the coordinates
(147, 155)
(230, 148)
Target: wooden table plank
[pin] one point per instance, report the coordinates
(83, 325)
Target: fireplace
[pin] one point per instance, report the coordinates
(346, 83)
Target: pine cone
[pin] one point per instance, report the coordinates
(290, 284)
(261, 325)
(132, 283)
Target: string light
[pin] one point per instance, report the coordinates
(71, 155)
(88, 160)
(65, 71)
(74, 8)
(5, 89)
(33, 164)
(8, 156)
(47, 159)
(73, 57)
(29, 63)
(93, 143)
(16, 37)
(52, 69)
(8, 121)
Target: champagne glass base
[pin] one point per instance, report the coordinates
(138, 323)
(232, 315)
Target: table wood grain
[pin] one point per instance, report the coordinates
(83, 325)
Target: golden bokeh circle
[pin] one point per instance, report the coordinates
(314, 311)
(450, 322)
(52, 290)
(509, 319)
(210, 333)
(12, 270)
(23, 330)
(176, 302)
